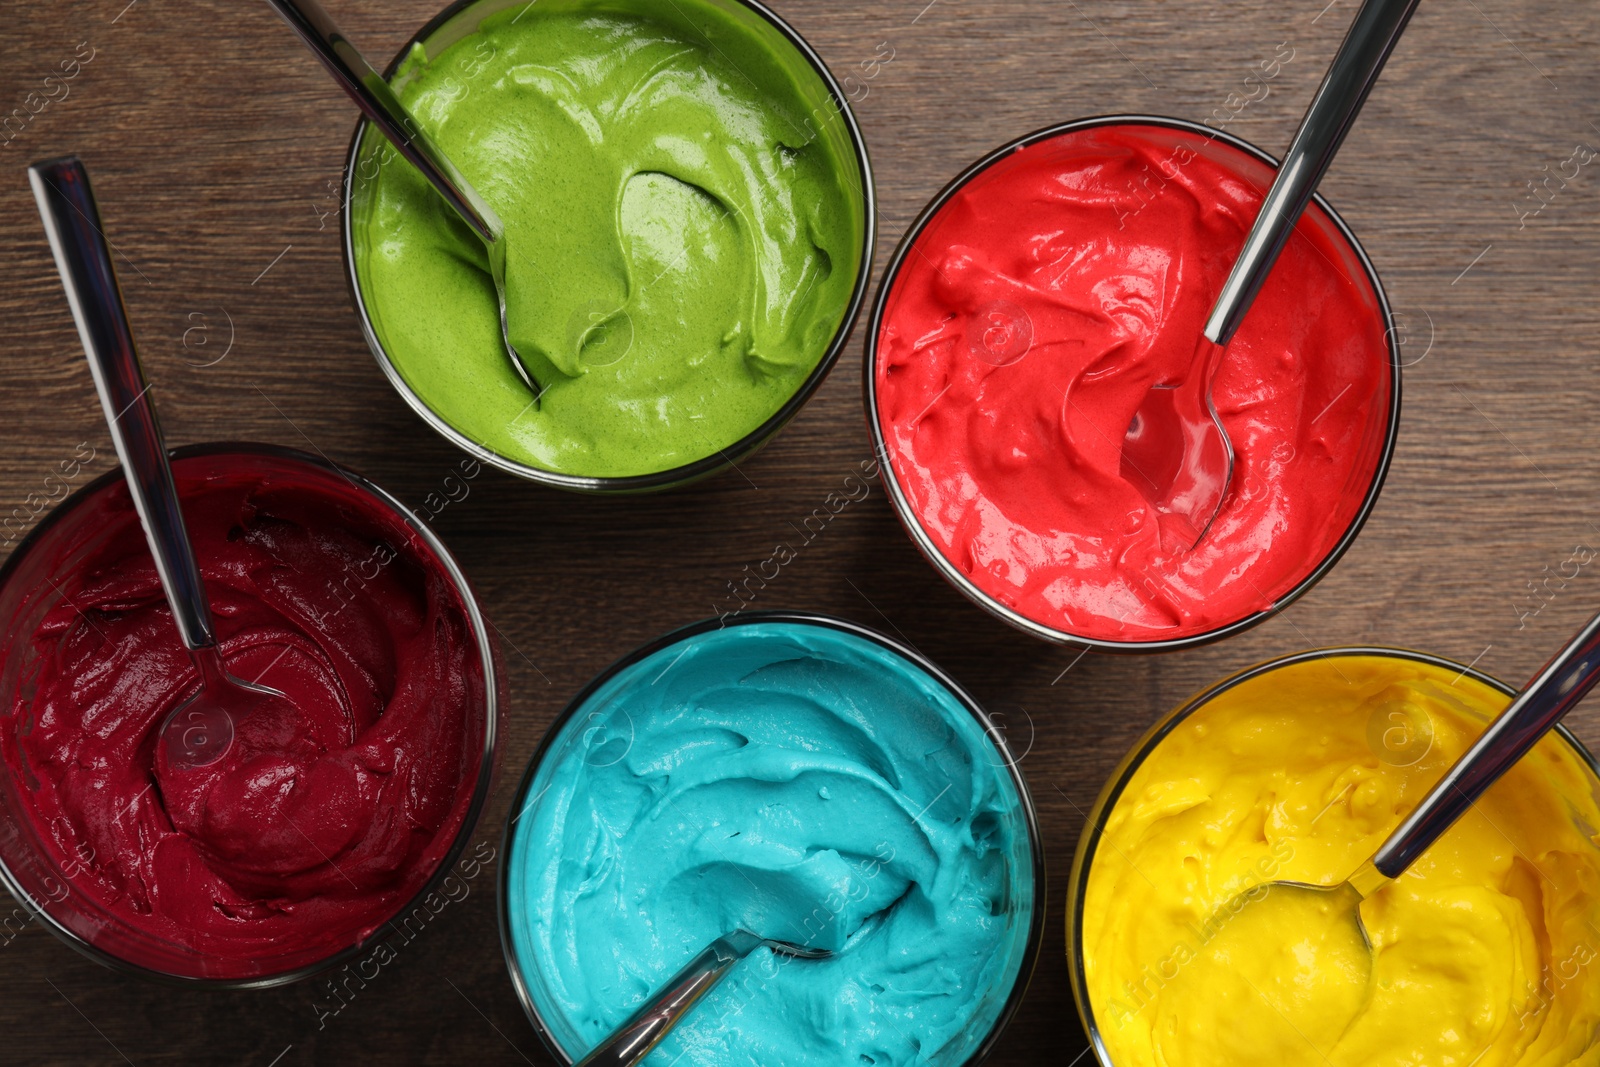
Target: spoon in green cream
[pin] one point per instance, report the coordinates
(633, 1040)
(385, 111)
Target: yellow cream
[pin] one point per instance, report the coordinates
(1485, 953)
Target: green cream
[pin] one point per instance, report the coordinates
(683, 222)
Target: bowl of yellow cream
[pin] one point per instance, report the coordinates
(1486, 952)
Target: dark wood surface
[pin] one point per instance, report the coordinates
(214, 142)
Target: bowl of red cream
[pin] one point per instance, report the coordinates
(1025, 317)
(322, 821)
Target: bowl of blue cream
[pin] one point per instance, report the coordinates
(801, 777)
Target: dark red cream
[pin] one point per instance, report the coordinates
(319, 823)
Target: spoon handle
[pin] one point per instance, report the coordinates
(1333, 111)
(83, 256)
(1554, 691)
(377, 101)
(633, 1040)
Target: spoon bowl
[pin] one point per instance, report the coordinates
(316, 28)
(1289, 966)
(1178, 453)
(1197, 469)
(1293, 901)
(1554, 691)
(633, 1040)
(201, 729)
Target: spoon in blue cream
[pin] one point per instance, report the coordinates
(633, 1040)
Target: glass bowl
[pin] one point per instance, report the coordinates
(830, 114)
(581, 726)
(1377, 443)
(1397, 738)
(46, 878)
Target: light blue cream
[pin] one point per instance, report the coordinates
(800, 781)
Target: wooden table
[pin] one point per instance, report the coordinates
(216, 144)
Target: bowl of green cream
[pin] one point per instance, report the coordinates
(689, 220)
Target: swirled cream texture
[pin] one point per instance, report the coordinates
(799, 781)
(1039, 307)
(684, 224)
(1486, 952)
(324, 817)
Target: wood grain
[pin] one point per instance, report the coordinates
(213, 140)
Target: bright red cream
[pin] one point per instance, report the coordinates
(1023, 330)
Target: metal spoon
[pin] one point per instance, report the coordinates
(201, 729)
(377, 101)
(633, 1040)
(1177, 452)
(1205, 467)
(1553, 692)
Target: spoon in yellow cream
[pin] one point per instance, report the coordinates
(1287, 939)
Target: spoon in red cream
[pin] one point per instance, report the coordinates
(1176, 448)
(200, 730)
